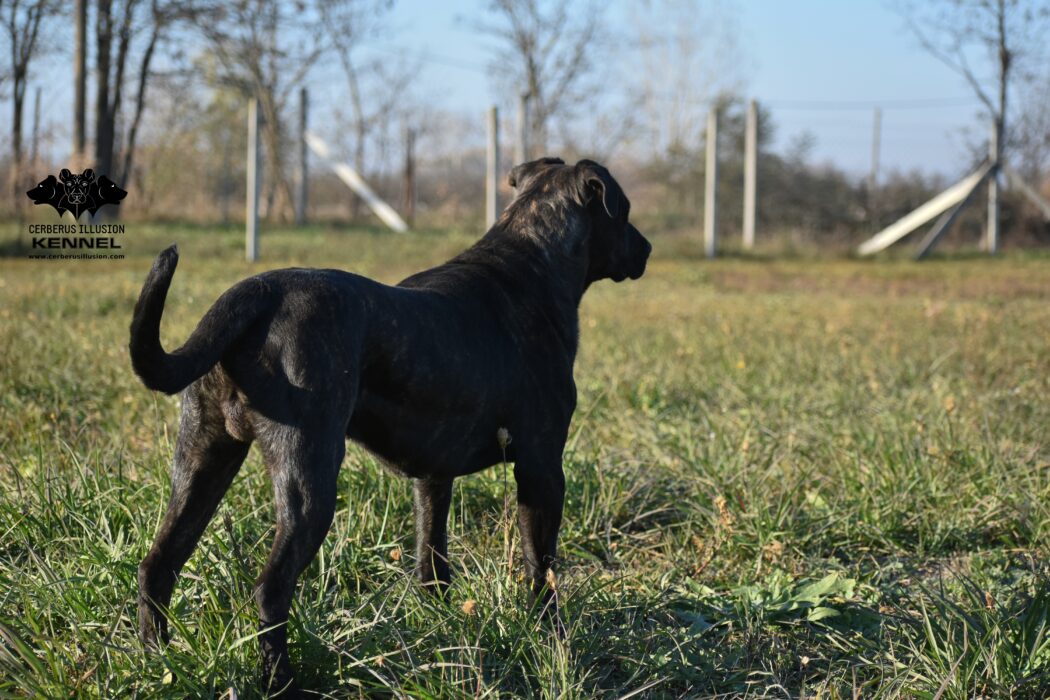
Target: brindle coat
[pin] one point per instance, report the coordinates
(424, 375)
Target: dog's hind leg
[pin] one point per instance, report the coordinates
(206, 460)
(304, 465)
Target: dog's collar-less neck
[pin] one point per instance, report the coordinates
(534, 267)
(547, 265)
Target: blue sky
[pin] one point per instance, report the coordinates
(797, 56)
(802, 59)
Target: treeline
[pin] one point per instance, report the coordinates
(196, 171)
(161, 89)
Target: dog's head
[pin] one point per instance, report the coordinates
(77, 186)
(47, 191)
(108, 191)
(613, 247)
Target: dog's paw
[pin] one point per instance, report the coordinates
(435, 588)
(153, 627)
(278, 681)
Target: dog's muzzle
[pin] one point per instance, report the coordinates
(638, 267)
(638, 253)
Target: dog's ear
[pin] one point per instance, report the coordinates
(519, 174)
(88, 175)
(65, 175)
(596, 182)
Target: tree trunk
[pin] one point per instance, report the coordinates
(80, 80)
(279, 191)
(360, 128)
(118, 79)
(103, 122)
(409, 186)
(538, 112)
(992, 233)
(360, 133)
(140, 104)
(108, 106)
(18, 95)
(113, 109)
(34, 152)
(1005, 59)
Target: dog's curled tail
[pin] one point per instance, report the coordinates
(225, 321)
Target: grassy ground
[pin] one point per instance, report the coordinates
(785, 478)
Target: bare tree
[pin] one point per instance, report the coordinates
(1031, 131)
(264, 50)
(127, 34)
(379, 100)
(107, 105)
(161, 20)
(689, 55)
(1010, 34)
(80, 78)
(22, 21)
(377, 88)
(548, 51)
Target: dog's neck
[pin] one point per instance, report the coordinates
(546, 237)
(534, 255)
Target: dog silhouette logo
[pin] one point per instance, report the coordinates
(77, 193)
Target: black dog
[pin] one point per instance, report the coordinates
(425, 375)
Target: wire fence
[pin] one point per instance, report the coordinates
(821, 173)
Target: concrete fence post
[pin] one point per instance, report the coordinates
(251, 226)
(711, 185)
(491, 169)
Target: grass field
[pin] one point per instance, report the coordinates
(807, 477)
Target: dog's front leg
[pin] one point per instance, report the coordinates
(541, 494)
(431, 503)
